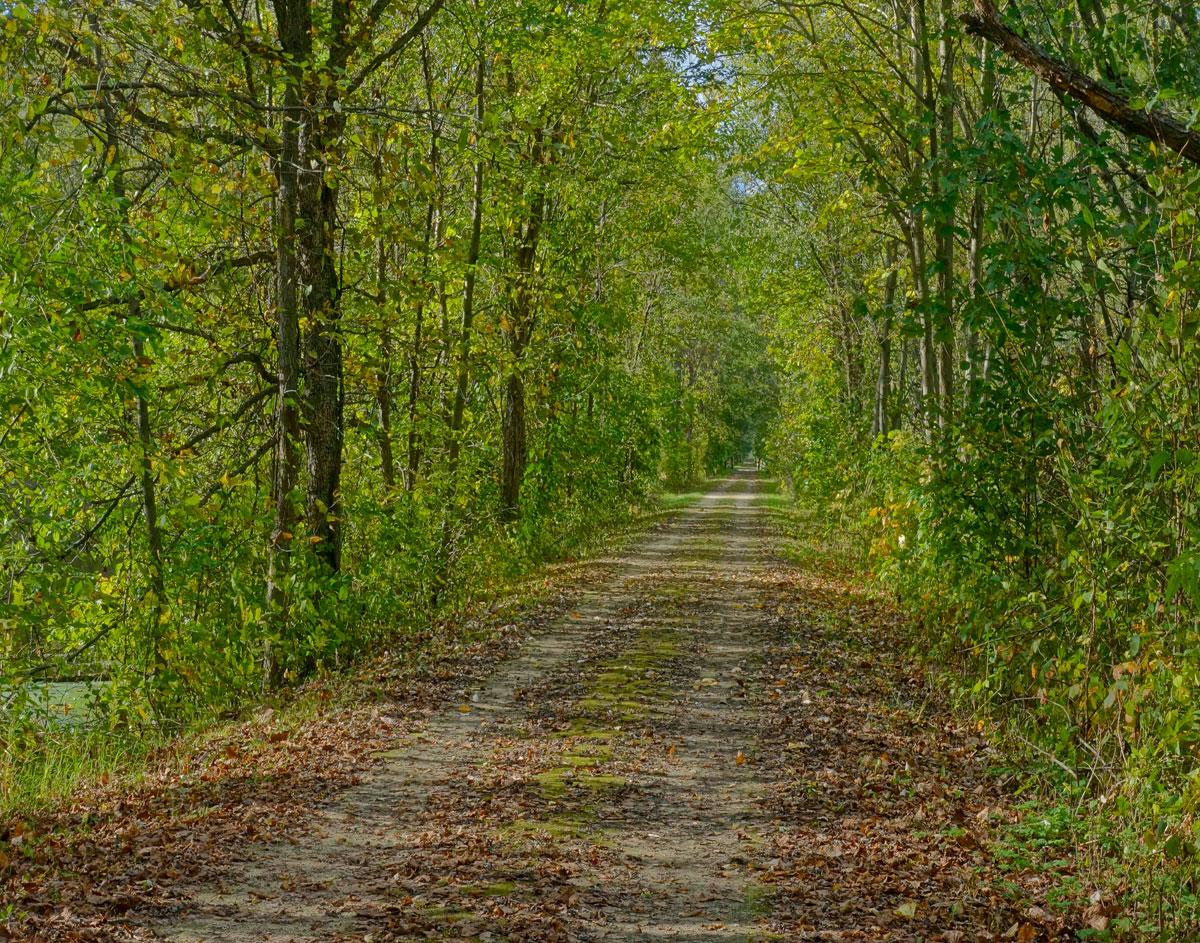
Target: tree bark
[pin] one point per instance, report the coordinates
(154, 545)
(463, 369)
(881, 421)
(1112, 107)
(521, 317)
(295, 29)
(947, 355)
(515, 444)
(976, 234)
(383, 391)
(323, 403)
(915, 235)
(430, 238)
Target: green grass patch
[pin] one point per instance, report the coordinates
(678, 500)
(561, 825)
(40, 774)
(626, 687)
(757, 901)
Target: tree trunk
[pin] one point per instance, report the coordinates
(145, 470)
(414, 397)
(383, 391)
(468, 303)
(431, 237)
(924, 102)
(521, 316)
(947, 355)
(295, 37)
(322, 364)
(149, 509)
(976, 237)
(927, 354)
(515, 445)
(880, 424)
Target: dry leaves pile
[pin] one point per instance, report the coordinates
(469, 875)
(80, 871)
(885, 800)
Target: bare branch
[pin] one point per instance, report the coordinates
(189, 279)
(401, 43)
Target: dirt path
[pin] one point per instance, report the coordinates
(709, 746)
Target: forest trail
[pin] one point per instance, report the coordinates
(708, 746)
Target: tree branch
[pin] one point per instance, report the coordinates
(1112, 107)
(398, 46)
(189, 278)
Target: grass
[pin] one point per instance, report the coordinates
(809, 539)
(678, 500)
(43, 767)
(34, 777)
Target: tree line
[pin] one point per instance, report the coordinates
(322, 317)
(990, 360)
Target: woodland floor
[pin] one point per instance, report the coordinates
(698, 741)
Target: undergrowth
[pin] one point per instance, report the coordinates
(1108, 812)
(47, 755)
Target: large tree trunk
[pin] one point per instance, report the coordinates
(322, 364)
(295, 28)
(522, 317)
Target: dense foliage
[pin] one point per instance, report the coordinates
(991, 223)
(319, 318)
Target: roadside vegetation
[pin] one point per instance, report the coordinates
(323, 324)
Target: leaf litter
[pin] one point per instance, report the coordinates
(693, 739)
